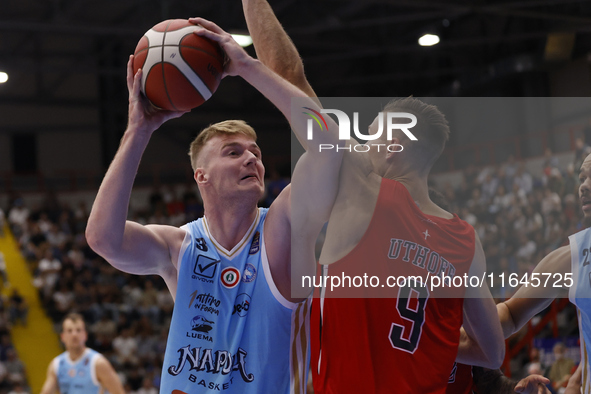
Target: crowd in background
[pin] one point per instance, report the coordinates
(518, 217)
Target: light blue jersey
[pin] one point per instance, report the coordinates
(231, 330)
(580, 295)
(77, 377)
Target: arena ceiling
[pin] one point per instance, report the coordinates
(72, 53)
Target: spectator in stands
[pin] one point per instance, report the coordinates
(523, 179)
(2, 222)
(550, 202)
(148, 302)
(48, 271)
(18, 389)
(560, 371)
(147, 387)
(582, 149)
(125, 346)
(534, 363)
(18, 217)
(18, 308)
(63, 301)
(17, 373)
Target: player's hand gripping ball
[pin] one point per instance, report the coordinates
(180, 70)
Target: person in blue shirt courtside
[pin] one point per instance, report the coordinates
(80, 370)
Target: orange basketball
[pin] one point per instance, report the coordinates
(180, 69)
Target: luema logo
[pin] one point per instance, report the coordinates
(345, 128)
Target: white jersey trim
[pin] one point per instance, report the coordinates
(230, 254)
(93, 376)
(186, 243)
(269, 278)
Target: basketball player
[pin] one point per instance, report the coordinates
(235, 327)
(79, 370)
(568, 261)
(531, 300)
(356, 352)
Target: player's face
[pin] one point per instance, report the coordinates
(585, 187)
(74, 334)
(233, 164)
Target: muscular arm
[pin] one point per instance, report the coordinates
(50, 384)
(529, 301)
(315, 179)
(107, 376)
(483, 344)
(273, 46)
(126, 245)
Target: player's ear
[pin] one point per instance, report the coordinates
(200, 176)
(394, 147)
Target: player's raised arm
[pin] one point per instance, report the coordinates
(484, 345)
(528, 301)
(273, 46)
(126, 245)
(315, 179)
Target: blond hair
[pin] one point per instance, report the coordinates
(227, 127)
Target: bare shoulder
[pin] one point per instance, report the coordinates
(102, 362)
(103, 367)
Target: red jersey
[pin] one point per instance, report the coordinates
(460, 380)
(406, 343)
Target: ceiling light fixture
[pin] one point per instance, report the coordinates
(428, 40)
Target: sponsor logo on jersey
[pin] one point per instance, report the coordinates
(249, 273)
(205, 268)
(255, 244)
(201, 244)
(230, 277)
(205, 302)
(208, 361)
(242, 305)
(201, 324)
(200, 327)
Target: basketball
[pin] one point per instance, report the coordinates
(180, 69)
